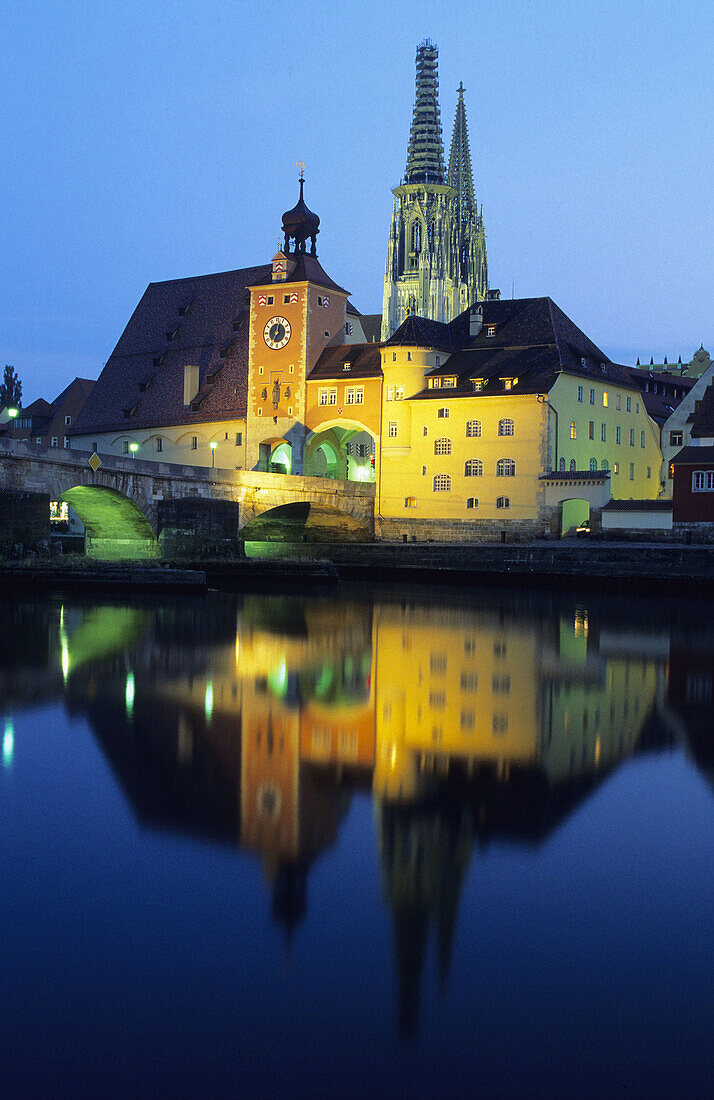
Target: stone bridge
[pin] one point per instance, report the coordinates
(131, 507)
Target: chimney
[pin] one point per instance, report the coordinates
(190, 383)
(493, 295)
(475, 320)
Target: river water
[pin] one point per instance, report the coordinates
(380, 844)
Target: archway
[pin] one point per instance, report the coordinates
(301, 521)
(574, 513)
(115, 526)
(344, 451)
(275, 456)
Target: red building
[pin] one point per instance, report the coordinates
(693, 480)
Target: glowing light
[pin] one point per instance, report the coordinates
(213, 446)
(12, 413)
(65, 660)
(208, 701)
(129, 693)
(278, 679)
(8, 743)
(133, 447)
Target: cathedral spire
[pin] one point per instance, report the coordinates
(459, 175)
(425, 155)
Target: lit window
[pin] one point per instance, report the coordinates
(473, 468)
(490, 330)
(616, 467)
(390, 393)
(410, 502)
(442, 446)
(472, 502)
(442, 483)
(478, 385)
(505, 427)
(573, 430)
(606, 398)
(473, 428)
(392, 429)
(503, 502)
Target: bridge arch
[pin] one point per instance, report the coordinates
(119, 521)
(342, 449)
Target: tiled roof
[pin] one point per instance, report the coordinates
(660, 405)
(693, 456)
(372, 326)
(177, 323)
(703, 423)
(533, 342)
(308, 268)
(364, 360)
(420, 332)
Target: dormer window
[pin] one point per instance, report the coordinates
(490, 330)
(449, 383)
(583, 362)
(346, 366)
(478, 385)
(434, 383)
(509, 383)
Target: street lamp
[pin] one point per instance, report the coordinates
(12, 413)
(133, 447)
(213, 453)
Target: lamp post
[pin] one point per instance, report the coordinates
(213, 453)
(12, 413)
(133, 447)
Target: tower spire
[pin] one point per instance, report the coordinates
(459, 175)
(425, 154)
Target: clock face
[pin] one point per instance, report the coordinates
(277, 332)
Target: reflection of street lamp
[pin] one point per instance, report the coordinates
(133, 447)
(213, 453)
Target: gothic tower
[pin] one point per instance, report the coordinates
(436, 255)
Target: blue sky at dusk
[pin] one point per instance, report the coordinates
(153, 140)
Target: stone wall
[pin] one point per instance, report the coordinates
(24, 519)
(436, 530)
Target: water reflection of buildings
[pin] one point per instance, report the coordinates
(253, 722)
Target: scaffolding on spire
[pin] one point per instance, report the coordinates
(425, 154)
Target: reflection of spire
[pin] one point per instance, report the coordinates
(425, 852)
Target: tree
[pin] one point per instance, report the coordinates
(10, 389)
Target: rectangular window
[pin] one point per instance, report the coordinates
(449, 383)
(409, 357)
(392, 429)
(286, 299)
(399, 393)
(423, 471)
(603, 433)
(194, 442)
(125, 447)
(95, 447)
(469, 681)
(698, 481)
(632, 437)
(580, 394)
(55, 441)
(605, 398)
(637, 407)
(425, 430)
(38, 439)
(437, 700)
(394, 356)
(642, 439)
(390, 393)
(628, 404)
(649, 471)
(675, 439)
(478, 385)
(410, 502)
(632, 471)
(350, 395)
(591, 429)
(468, 720)
(618, 401)
(66, 443)
(239, 439)
(68, 420)
(618, 434)
(616, 468)
(159, 444)
(437, 664)
(490, 330)
(271, 299)
(592, 397)
(442, 414)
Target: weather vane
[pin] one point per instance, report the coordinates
(301, 165)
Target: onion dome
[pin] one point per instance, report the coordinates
(300, 225)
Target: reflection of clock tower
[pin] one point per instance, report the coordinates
(292, 318)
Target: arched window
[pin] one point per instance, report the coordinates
(593, 464)
(416, 237)
(505, 427)
(503, 502)
(473, 468)
(573, 430)
(472, 502)
(573, 466)
(442, 446)
(506, 467)
(604, 465)
(473, 428)
(442, 483)
(561, 466)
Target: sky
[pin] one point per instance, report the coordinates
(152, 140)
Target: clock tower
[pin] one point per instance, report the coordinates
(292, 319)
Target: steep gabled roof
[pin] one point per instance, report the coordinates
(178, 323)
(421, 332)
(703, 422)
